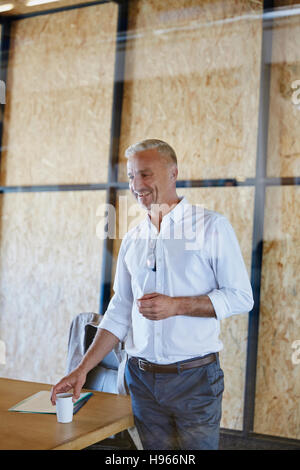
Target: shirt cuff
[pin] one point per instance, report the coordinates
(117, 329)
(220, 304)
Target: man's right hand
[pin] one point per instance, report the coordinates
(103, 343)
(75, 380)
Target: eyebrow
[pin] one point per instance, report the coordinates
(141, 171)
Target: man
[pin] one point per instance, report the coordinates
(179, 272)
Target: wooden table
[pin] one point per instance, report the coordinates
(103, 415)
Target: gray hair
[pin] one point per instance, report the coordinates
(162, 147)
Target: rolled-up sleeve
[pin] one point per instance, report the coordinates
(117, 318)
(233, 294)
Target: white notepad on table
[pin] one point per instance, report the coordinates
(40, 403)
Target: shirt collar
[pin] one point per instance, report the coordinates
(176, 214)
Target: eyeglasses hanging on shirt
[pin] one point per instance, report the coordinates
(151, 258)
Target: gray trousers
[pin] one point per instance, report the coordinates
(177, 410)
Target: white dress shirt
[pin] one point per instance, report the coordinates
(197, 253)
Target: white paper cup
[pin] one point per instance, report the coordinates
(64, 407)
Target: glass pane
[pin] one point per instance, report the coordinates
(278, 369)
(59, 97)
(192, 78)
(50, 264)
(284, 119)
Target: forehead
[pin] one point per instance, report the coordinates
(147, 159)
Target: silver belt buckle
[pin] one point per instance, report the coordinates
(142, 364)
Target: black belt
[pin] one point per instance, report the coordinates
(173, 368)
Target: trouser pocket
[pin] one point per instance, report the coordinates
(215, 378)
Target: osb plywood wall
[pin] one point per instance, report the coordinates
(59, 97)
(50, 264)
(277, 408)
(193, 80)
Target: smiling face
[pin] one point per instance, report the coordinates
(152, 178)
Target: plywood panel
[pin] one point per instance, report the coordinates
(59, 97)
(237, 205)
(50, 264)
(284, 121)
(192, 79)
(277, 409)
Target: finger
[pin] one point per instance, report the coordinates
(145, 303)
(61, 387)
(147, 310)
(76, 392)
(149, 296)
(53, 396)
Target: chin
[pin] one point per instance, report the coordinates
(145, 206)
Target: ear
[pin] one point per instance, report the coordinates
(174, 172)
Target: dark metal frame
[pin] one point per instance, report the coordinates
(114, 150)
(260, 182)
(258, 225)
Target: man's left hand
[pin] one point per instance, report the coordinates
(158, 306)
